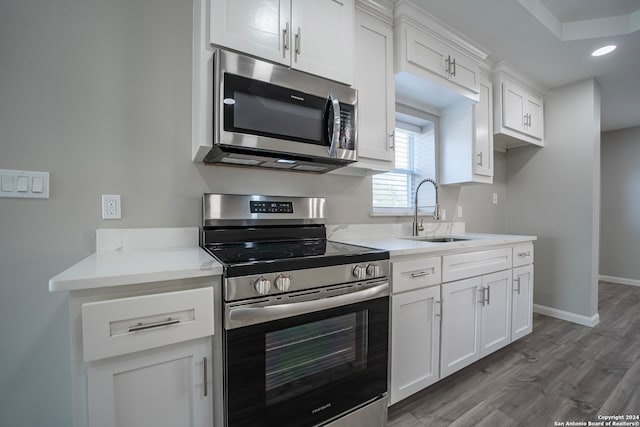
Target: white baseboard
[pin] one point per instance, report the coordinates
(620, 280)
(567, 315)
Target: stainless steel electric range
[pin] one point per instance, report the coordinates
(305, 335)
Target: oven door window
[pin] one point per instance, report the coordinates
(259, 108)
(307, 369)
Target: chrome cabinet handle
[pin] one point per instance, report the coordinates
(392, 145)
(453, 66)
(421, 274)
(440, 304)
(333, 124)
(517, 279)
(143, 326)
(298, 36)
(483, 299)
(524, 254)
(480, 156)
(204, 360)
(447, 65)
(285, 39)
(488, 295)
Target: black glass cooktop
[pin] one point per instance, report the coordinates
(266, 257)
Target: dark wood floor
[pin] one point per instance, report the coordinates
(561, 372)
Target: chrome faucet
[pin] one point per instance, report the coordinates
(436, 209)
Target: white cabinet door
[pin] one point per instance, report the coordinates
(256, 27)
(426, 53)
(483, 154)
(496, 312)
(463, 71)
(513, 104)
(376, 95)
(522, 112)
(163, 387)
(535, 126)
(461, 311)
(415, 341)
(322, 38)
(522, 302)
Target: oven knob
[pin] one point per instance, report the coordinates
(373, 270)
(283, 283)
(360, 272)
(262, 286)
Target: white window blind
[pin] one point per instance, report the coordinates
(414, 160)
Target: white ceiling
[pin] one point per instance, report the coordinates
(531, 39)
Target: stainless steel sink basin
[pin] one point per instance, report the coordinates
(437, 239)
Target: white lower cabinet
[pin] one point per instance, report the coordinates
(448, 312)
(495, 327)
(168, 386)
(461, 317)
(476, 319)
(415, 341)
(522, 302)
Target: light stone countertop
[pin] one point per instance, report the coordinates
(398, 241)
(125, 257)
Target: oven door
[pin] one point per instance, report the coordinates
(306, 369)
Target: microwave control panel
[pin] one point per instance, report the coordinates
(347, 127)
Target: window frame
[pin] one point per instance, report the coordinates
(404, 115)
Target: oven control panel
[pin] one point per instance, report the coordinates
(252, 286)
(270, 207)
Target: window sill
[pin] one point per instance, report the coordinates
(399, 212)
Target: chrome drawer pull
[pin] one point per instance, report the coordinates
(204, 360)
(142, 326)
(422, 273)
(524, 254)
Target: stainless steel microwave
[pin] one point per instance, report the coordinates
(271, 116)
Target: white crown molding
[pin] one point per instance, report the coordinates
(380, 9)
(584, 29)
(507, 70)
(406, 11)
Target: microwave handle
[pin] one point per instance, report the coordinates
(333, 124)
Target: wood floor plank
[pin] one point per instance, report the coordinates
(560, 372)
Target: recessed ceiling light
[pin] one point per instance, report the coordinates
(604, 50)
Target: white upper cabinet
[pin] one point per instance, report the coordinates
(518, 110)
(438, 61)
(466, 140)
(315, 36)
(376, 94)
(256, 27)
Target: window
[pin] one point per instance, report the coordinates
(414, 160)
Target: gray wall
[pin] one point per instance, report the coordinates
(98, 93)
(554, 193)
(620, 227)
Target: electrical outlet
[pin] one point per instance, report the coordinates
(459, 211)
(495, 198)
(443, 214)
(111, 207)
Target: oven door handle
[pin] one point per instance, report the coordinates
(239, 316)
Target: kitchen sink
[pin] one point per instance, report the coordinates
(437, 239)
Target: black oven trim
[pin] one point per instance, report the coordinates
(246, 405)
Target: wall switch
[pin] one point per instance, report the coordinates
(24, 184)
(495, 198)
(443, 214)
(111, 206)
(459, 211)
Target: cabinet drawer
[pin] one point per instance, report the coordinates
(127, 325)
(414, 274)
(522, 255)
(461, 266)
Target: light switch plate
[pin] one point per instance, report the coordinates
(24, 184)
